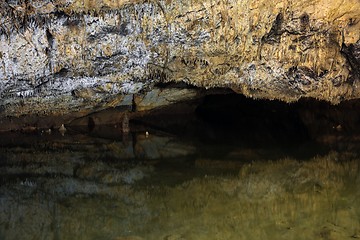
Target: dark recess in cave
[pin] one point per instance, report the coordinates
(229, 121)
(305, 128)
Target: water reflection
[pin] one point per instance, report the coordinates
(158, 186)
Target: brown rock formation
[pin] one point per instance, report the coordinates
(60, 57)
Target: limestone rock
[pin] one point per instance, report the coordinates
(70, 56)
(158, 97)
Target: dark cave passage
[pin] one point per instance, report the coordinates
(305, 128)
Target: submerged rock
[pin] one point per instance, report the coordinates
(73, 58)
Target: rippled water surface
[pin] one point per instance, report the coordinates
(213, 185)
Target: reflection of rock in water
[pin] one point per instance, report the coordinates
(108, 174)
(125, 124)
(283, 199)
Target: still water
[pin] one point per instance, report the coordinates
(167, 186)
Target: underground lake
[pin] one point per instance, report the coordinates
(228, 168)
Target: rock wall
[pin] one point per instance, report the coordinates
(60, 57)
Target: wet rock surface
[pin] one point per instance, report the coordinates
(72, 58)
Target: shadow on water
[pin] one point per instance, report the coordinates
(237, 170)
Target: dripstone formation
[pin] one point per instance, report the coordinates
(71, 58)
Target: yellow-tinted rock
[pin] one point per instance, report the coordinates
(52, 50)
